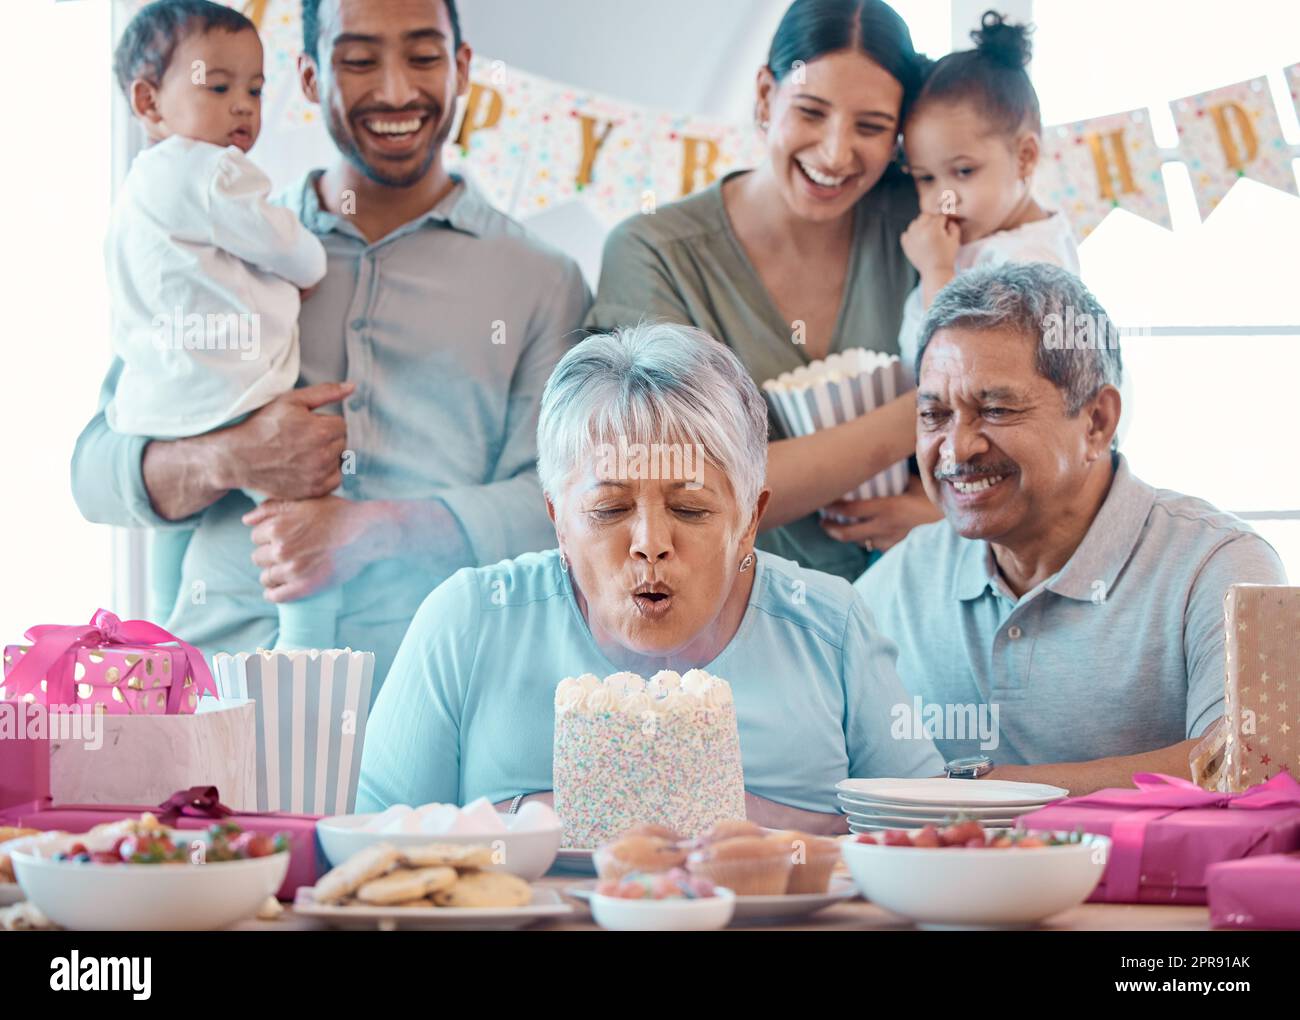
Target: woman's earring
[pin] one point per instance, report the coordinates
(747, 562)
(564, 563)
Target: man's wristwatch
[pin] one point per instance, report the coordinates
(969, 768)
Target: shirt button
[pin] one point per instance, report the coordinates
(1014, 633)
(358, 323)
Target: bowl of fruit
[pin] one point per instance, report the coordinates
(139, 875)
(964, 875)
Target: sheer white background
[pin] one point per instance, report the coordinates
(1212, 412)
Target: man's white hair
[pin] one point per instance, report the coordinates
(654, 383)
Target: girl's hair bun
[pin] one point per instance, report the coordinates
(1003, 42)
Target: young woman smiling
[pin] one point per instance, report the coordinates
(798, 258)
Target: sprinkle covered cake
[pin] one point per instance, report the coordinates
(627, 751)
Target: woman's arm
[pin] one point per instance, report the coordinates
(808, 472)
(412, 749)
(772, 815)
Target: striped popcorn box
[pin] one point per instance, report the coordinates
(311, 708)
(844, 386)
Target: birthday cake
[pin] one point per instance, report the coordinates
(630, 751)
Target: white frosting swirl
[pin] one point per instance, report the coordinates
(638, 703)
(696, 682)
(666, 680)
(568, 695)
(620, 683)
(666, 693)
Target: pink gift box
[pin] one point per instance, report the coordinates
(196, 808)
(1259, 892)
(24, 760)
(110, 666)
(124, 679)
(1166, 833)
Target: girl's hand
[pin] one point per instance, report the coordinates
(882, 523)
(930, 243)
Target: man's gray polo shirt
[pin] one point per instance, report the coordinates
(1119, 652)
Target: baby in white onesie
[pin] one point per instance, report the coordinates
(205, 274)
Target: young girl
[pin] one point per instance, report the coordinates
(971, 143)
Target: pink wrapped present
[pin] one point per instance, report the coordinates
(24, 759)
(1167, 832)
(197, 808)
(1259, 892)
(112, 666)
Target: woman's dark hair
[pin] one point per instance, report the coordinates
(150, 39)
(992, 76)
(311, 27)
(813, 28)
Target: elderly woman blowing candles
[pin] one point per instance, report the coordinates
(652, 447)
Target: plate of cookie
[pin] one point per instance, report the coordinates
(431, 886)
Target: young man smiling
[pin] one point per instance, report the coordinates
(1084, 603)
(436, 327)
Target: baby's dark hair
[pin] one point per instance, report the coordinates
(992, 76)
(150, 40)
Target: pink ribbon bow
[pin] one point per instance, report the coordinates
(1158, 796)
(53, 655)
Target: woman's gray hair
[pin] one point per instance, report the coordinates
(654, 383)
(1076, 346)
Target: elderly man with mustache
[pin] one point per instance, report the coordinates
(432, 336)
(1082, 604)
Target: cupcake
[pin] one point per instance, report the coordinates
(747, 865)
(637, 853)
(728, 828)
(812, 859)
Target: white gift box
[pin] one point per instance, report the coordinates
(311, 711)
(144, 759)
(843, 386)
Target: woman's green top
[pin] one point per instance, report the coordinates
(684, 263)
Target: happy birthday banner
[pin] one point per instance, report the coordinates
(533, 144)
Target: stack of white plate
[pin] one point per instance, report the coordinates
(877, 804)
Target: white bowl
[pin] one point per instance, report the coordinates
(709, 913)
(528, 854)
(148, 897)
(974, 887)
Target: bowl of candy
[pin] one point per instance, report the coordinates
(139, 875)
(662, 901)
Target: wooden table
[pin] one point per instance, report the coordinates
(855, 915)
